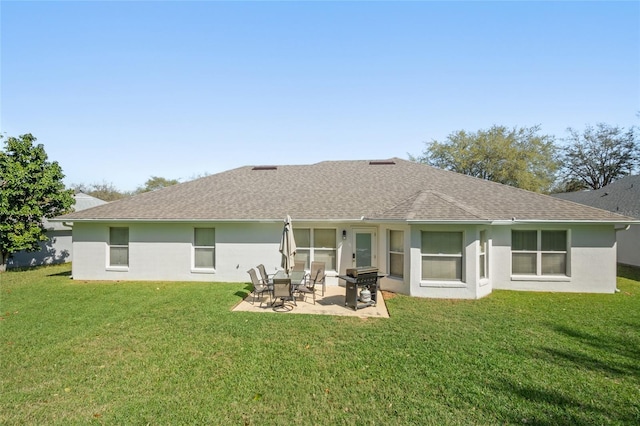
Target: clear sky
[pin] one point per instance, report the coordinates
(121, 91)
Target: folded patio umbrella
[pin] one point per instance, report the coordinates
(287, 246)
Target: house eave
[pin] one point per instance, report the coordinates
(515, 221)
(147, 220)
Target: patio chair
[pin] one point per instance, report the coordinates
(258, 288)
(309, 286)
(299, 265)
(266, 279)
(320, 278)
(282, 290)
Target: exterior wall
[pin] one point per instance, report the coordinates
(629, 246)
(58, 249)
(161, 251)
(591, 261)
(164, 252)
(470, 287)
(395, 284)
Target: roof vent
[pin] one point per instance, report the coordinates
(382, 163)
(265, 168)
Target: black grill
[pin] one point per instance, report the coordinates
(357, 280)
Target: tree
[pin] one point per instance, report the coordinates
(31, 188)
(599, 156)
(156, 182)
(105, 191)
(518, 157)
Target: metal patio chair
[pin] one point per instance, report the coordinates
(283, 290)
(317, 277)
(259, 288)
(320, 278)
(265, 277)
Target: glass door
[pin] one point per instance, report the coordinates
(365, 253)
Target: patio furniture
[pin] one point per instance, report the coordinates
(296, 277)
(299, 265)
(266, 280)
(283, 290)
(316, 267)
(258, 287)
(309, 286)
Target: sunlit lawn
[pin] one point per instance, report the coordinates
(75, 352)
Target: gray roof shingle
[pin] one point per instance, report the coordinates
(621, 196)
(345, 191)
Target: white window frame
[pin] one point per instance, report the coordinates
(391, 252)
(483, 255)
(539, 253)
(112, 245)
(460, 256)
(195, 248)
(312, 250)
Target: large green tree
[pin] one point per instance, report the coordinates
(598, 156)
(31, 189)
(519, 157)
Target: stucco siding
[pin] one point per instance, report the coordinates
(591, 265)
(164, 251)
(58, 249)
(468, 287)
(629, 246)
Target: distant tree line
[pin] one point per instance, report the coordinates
(525, 158)
(106, 191)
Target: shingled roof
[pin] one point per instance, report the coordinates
(621, 196)
(393, 189)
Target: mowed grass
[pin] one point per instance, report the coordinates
(158, 353)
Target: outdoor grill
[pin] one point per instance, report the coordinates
(358, 280)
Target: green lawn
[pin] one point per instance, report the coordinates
(76, 352)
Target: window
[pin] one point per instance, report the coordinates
(484, 265)
(535, 252)
(119, 246)
(316, 245)
(396, 254)
(442, 256)
(204, 250)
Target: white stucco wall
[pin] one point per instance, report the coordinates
(629, 246)
(165, 252)
(591, 261)
(470, 287)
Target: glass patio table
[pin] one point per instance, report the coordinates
(296, 277)
(284, 287)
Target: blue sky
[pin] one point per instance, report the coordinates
(121, 91)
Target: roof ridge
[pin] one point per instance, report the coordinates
(455, 202)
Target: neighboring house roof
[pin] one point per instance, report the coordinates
(82, 201)
(621, 196)
(393, 189)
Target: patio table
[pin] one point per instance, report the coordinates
(296, 277)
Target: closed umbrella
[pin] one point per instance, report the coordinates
(288, 246)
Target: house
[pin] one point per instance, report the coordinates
(434, 233)
(621, 196)
(58, 248)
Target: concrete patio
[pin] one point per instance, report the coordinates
(333, 303)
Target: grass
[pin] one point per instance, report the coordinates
(75, 352)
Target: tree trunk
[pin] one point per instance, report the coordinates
(3, 261)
